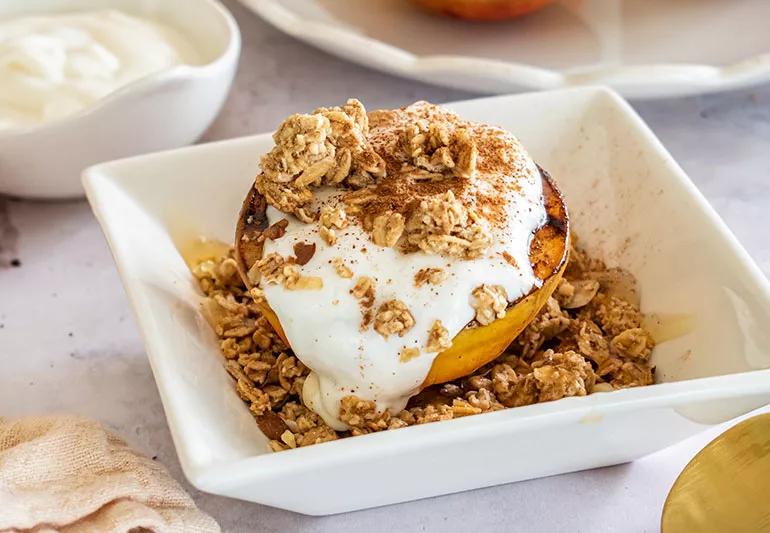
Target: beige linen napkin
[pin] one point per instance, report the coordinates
(66, 473)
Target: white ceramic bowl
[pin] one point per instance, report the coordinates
(165, 110)
(630, 203)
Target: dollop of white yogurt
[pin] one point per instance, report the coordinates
(52, 66)
(323, 326)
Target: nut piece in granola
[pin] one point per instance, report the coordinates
(577, 293)
(304, 252)
(277, 230)
(305, 283)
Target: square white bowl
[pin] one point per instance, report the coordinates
(629, 202)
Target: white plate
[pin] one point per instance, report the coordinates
(629, 202)
(641, 48)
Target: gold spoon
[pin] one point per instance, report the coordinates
(726, 486)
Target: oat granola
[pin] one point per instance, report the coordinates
(341, 268)
(328, 146)
(444, 225)
(393, 318)
(490, 303)
(432, 276)
(331, 220)
(438, 338)
(408, 178)
(586, 339)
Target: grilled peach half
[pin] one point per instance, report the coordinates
(475, 345)
(485, 9)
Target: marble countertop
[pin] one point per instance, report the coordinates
(68, 342)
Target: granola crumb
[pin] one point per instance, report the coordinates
(362, 415)
(616, 316)
(634, 343)
(328, 235)
(387, 229)
(288, 439)
(304, 252)
(509, 259)
(341, 268)
(433, 276)
(407, 354)
(364, 291)
(560, 375)
(438, 338)
(330, 220)
(431, 146)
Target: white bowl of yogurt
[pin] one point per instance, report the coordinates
(84, 81)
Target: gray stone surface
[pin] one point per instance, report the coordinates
(68, 342)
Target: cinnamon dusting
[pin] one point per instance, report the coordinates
(420, 154)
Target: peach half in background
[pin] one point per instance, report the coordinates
(485, 9)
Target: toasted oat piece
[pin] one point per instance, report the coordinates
(438, 338)
(490, 303)
(433, 276)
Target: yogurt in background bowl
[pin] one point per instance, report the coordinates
(53, 66)
(169, 88)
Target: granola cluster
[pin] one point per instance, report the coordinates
(588, 338)
(490, 302)
(439, 150)
(275, 269)
(326, 147)
(411, 179)
(393, 318)
(444, 225)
